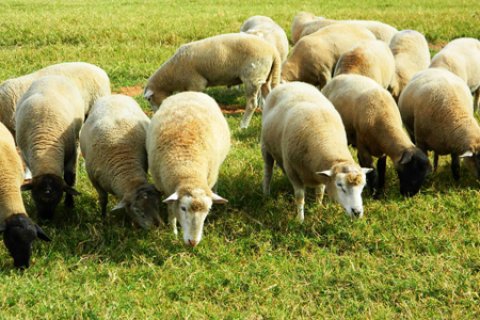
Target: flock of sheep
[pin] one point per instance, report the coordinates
(344, 82)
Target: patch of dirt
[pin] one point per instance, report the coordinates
(437, 46)
(131, 91)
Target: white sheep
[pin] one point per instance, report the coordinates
(313, 58)
(299, 22)
(268, 30)
(382, 31)
(227, 59)
(304, 134)
(411, 54)
(371, 58)
(436, 108)
(462, 57)
(91, 80)
(112, 141)
(187, 141)
(17, 228)
(374, 126)
(48, 120)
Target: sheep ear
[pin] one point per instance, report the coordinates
(467, 154)
(119, 207)
(325, 173)
(26, 186)
(406, 157)
(148, 94)
(71, 191)
(173, 197)
(41, 234)
(367, 170)
(217, 199)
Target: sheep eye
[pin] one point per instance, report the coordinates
(183, 208)
(340, 186)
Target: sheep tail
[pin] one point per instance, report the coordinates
(273, 78)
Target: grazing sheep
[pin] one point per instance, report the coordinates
(91, 80)
(380, 30)
(371, 58)
(48, 120)
(304, 134)
(112, 141)
(314, 57)
(226, 59)
(462, 57)
(268, 30)
(187, 141)
(436, 108)
(374, 126)
(411, 54)
(17, 228)
(299, 22)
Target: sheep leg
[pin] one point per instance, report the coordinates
(476, 98)
(299, 201)
(319, 193)
(268, 163)
(381, 168)
(70, 177)
(251, 93)
(455, 166)
(172, 220)
(103, 200)
(366, 161)
(435, 161)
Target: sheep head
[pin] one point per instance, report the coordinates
(412, 169)
(191, 207)
(18, 234)
(345, 183)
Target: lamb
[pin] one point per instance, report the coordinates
(374, 126)
(313, 58)
(187, 141)
(299, 22)
(382, 31)
(436, 108)
(371, 58)
(462, 57)
(304, 134)
(48, 120)
(268, 30)
(18, 230)
(91, 80)
(227, 59)
(411, 53)
(112, 141)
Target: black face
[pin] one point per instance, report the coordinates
(18, 236)
(473, 164)
(146, 207)
(47, 192)
(412, 171)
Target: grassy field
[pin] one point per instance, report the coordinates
(416, 258)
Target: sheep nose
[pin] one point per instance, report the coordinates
(356, 212)
(193, 243)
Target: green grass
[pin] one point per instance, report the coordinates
(408, 258)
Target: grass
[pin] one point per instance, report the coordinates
(408, 258)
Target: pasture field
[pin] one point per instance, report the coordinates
(416, 258)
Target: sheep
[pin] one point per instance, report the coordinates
(374, 126)
(187, 141)
(17, 228)
(112, 141)
(226, 59)
(313, 58)
(371, 58)
(462, 57)
(411, 54)
(268, 30)
(304, 134)
(48, 120)
(299, 22)
(381, 31)
(91, 80)
(436, 108)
